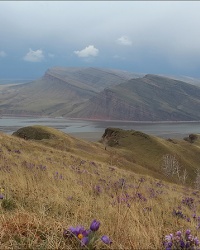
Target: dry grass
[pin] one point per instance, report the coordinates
(46, 190)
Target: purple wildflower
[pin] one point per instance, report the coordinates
(84, 241)
(178, 213)
(178, 233)
(196, 241)
(1, 196)
(187, 245)
(106, 239)
(169, 237)
(188, 201)
(97, 189)
(86, 238)
(95, 225)
(141, 197)
(168, 245)
(182, 244)
(78, 230)
(188, 232)
(80, 233)
(190, 237)
(180, 241)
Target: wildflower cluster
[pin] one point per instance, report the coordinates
(180, 241)
(178, 213)
(87, 237)
(188, 201)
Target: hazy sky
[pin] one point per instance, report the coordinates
(158, 37)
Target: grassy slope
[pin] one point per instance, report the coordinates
(50, 184)
(147, 152)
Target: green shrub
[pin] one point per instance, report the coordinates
(8, 204)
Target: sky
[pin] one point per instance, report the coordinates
(154, 37)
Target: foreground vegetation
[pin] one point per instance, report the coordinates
(51, 186)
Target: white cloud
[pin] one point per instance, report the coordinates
(2, 53)
(124, 40)
(88, 51)
(34, 56)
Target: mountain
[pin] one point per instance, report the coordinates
(95, 93)
(187, 79)
(59, 91)
(150, 98)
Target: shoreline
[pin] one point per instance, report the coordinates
(92, 130)
(7, 116)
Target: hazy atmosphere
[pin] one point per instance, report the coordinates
(139, 36)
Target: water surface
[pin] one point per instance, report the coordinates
(94, 129)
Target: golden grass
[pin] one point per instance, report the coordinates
(48, 189)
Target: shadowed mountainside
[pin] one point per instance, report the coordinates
(151, 98)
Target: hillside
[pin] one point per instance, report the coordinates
(150, 98)
(147, 153)
(51, 182)
(59, 91)
(125, 148)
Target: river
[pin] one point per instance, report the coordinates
(92, 130)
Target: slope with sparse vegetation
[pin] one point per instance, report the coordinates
(51, 182)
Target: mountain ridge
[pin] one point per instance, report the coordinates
(58, 91)
(96, 93)
(150, 98)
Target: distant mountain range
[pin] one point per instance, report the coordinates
(95, 93)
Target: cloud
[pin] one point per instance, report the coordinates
(34, 56)
(124, 40)
(87, 52)
(139, 31)
(2, 53)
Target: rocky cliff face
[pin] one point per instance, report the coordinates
(150, 98)
(112, 107)
(107, 105)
